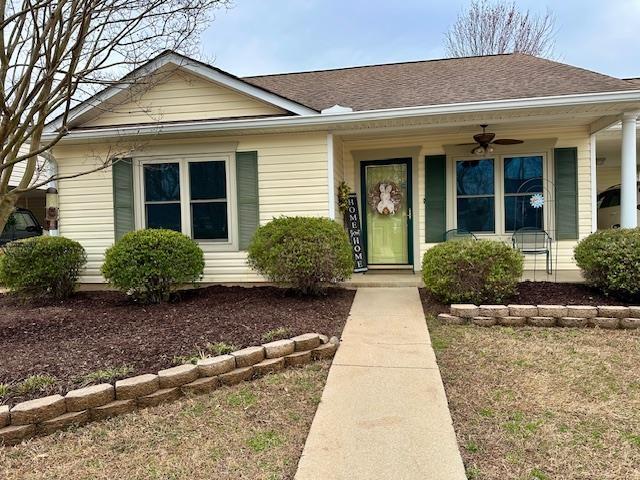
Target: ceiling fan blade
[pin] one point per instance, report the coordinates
(507, 141)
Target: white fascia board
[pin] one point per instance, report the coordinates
(320, 120)
(246, 88)
(194, 67)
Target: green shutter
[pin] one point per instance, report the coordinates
(123, 216)
(566, 190)
(435, 202)
(247, 184)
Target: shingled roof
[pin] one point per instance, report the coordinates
(436, 82)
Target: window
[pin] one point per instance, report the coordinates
(476, 195)
(610, 198)
(522, 180)
(20, 222)
(208, 186)
(500, 195)
(187, 196)
(162, 196)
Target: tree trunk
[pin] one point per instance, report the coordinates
(7, 204)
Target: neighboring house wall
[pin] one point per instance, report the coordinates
(292, 180)
(607, 177)
(434, 145)
(177, 96)
(36, 202)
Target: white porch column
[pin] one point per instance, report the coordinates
(628, 188)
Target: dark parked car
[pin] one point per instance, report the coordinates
(21, 224)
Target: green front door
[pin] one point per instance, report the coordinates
(386, 205)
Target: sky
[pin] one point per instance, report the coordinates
(273, 36)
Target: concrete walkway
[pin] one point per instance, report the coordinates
(384, 412)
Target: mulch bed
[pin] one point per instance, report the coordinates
(99, 330)
(537, 293)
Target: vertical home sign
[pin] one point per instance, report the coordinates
(355, 234)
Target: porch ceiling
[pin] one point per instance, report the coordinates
(575, 116)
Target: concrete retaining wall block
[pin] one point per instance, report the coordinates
(38, 410)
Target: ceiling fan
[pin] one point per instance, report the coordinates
(485, 140)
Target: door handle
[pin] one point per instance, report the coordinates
(409, 213)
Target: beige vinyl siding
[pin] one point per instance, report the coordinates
(433, 144)
(292, 180)
(181, 96)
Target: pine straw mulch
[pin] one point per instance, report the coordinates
(543, 404)
(253, 431)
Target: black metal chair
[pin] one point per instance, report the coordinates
(458, 234)
(533, 241)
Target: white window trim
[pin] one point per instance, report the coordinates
(231, 244)
(499, 195)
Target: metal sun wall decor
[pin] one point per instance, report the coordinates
(385, 198)
(537, 200)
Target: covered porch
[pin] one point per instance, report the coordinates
(417, 179)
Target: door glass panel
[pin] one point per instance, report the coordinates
(386, 210)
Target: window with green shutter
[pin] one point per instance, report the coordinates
(123, 208)
(566, 192)
(247, 189)
(435, 197)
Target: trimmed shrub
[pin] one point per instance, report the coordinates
(610, 261)
(42, 266)
(304, 253)
(151, 264)
(472, 271)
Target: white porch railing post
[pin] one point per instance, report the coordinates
(628, 184)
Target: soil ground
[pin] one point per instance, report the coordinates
(71, 339)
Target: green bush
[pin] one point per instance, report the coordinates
(42, 266)
(304, 253)
(150, 264)
(610, 261)
(475, 271)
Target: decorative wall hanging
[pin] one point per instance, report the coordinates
(385, 198)
(536, 200)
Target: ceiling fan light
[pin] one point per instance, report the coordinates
(489, 149)
(478, 150)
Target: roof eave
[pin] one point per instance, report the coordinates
(316, 120)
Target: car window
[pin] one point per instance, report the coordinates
(22, 221)
(610, 198)
(18, 222)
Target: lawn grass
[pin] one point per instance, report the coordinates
(255, 430)
(543, 403)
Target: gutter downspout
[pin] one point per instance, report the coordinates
(51, 199)
(330, 178)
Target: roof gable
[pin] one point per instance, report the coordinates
(143, 96)
(439, 82)
(178, 95)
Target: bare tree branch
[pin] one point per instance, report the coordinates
(54, 53)
(489, 27)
